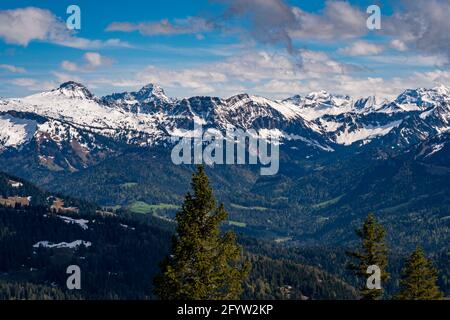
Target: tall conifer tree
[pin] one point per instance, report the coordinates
(204, 263)
(373, 251)
(419, 279)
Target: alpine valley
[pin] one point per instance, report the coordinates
(340, 159)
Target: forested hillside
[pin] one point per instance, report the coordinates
(118, 256)
(310, 200)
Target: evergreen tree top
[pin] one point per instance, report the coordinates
(419, 279)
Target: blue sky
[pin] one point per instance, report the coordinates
(273, 48)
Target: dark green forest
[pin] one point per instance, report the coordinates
(127, 247)
(123, 258)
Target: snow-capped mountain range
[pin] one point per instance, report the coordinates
(71, 119)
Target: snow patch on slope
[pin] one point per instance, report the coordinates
(288, 110)
(70, 245)
(14, 131)
(347, 138)
(81, 222)
(436, 148)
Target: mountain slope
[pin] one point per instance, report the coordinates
(73, 120)
(118, 256)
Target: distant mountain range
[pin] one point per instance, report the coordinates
(69, 128)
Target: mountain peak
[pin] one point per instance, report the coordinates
(74, 89)
(322, 94)
(152, 90)
(145, 100)
(71, 84)
(423, 97)
(442, 89)
(365, 103)
(297, 99)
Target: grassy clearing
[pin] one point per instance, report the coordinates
(282, 240)
(237, 224)
(114, 208)
(327, 203)
(237, 206)
(145, 208)
(129, 185)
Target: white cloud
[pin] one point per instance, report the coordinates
(11, 68)
(354, 86)
(23, 82)
(95, 60)
(199, 81)
(361, 48)
(262, 73)
(280, 88)
(338, 20)
(273, 22)
(421, 25)
(87, 44)
(190, 25)
(92, 60)
(32, 84)
(62, 77)
(21, 26)
(398, 45)
(24, 25)
(69, 66)
(435, 77)
(398, 61)
(266, 73)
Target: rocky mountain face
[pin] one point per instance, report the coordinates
(68, 128)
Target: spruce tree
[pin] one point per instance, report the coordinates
(205, 264)
(373, 251)
(419, 279)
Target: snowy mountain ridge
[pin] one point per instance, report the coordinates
(72, 117)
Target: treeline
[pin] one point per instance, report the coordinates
(30, 291)
(289, 280)
(333, 259)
